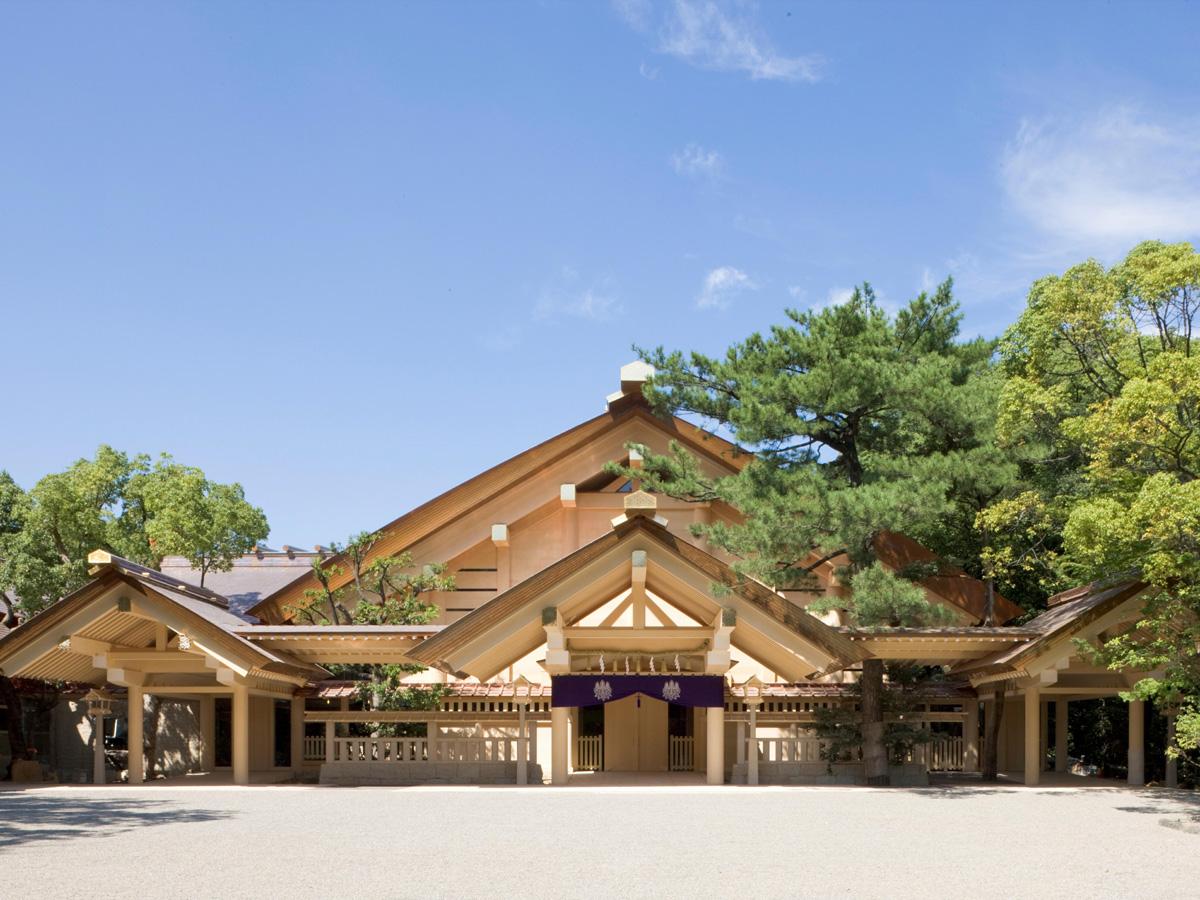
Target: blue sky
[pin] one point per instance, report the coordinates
(351, 254)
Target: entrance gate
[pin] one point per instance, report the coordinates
(636, 723)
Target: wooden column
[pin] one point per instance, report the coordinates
(1172, 774)
(208, 732)
(1137, 742)
(1060, 735)
(715, 749)
(522, 747)
(740, 753)
(297, 734)
(752, 750)
(1044, 735)
(241, 734)
(1033, 741)
(971, 736)
(559, 748)
(330, 734)
(135, 735)
(98, 774)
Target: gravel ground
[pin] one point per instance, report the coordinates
(961, 840)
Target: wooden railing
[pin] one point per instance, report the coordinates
(944, 753)
(680, 750)
(589, 753)
(417, 749)
(314, 747)
(802, 749)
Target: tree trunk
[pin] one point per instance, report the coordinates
(16, 722)
(991, 735)
(875, 763)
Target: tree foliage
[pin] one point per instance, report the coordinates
(125, 505)
(384, 590)
(1103, 400)
(187, 515)
(856, 422)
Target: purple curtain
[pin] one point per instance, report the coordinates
(684, 690)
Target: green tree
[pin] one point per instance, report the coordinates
(185, 514)
(1103, 394)
(386, 590)
(118, 503)
(857, 422)
(124, 505)
(64, 517)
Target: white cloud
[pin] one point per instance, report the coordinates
(650, 73)
(797, 292)
(721, 285)
(1107, 181)
(838, 295)
(693, 160)
(568, 295)
(710, 36)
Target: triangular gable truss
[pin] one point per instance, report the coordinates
(420, 523)
(111, 626)
(509, 626)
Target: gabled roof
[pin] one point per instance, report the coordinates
(419, 523)
(495, 612)
(1059, 624)
(203, 612)
(253, 577)
(951, 583)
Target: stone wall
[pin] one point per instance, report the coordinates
(353, 774)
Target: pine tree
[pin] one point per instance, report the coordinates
(858, 422)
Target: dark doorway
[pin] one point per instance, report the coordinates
(283, 733)
(223, 736)
(679, 720)
(591, 724)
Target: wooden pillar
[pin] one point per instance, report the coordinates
(208, 732)
(1137, 742)
(98, 774)
(971, 736)
(297, 734)
(559, 744)
(330, 734)
(1033, 741)
(433, 737)
(752, 750)
(522, 747)
(1060, 735)
(1044, 735)
(135, 735)
(740, 753)
(715, 750)
(241, 734)
(1002, 727)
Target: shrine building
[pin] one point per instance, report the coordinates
(589, 632)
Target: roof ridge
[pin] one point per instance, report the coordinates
(101, 558)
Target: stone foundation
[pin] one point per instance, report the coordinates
(353, 774)
(908, 775)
